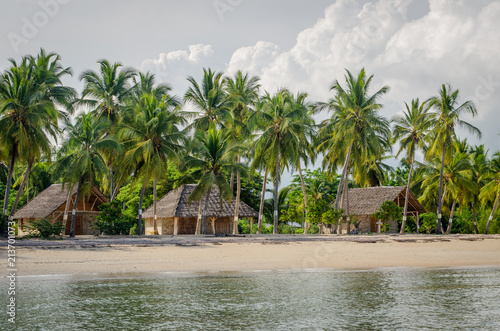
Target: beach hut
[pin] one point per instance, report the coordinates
(363, 202)
(51, 205)
(176, 216)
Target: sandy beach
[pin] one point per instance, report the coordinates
(91, 256)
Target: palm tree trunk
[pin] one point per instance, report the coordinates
(205, 212)
(198, 221)
(231, 181)
(472, 208)
(448, 230)
(237, 203)
(155, 225)
(141, 198)
(306, 229)
(344, 169)
(276, 186)
(66, 210)
(111, 184)
(7, 192)
(346, 193)
(407, 195)
(495, 206)
(262, 199)
(75, 205)
(20, 191)
(440, 197)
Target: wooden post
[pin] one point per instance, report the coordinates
(379, 223)
(176, 226)
(418, 223)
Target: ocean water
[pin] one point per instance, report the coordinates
(385, 299)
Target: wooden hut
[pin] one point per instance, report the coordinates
(176, 216)
(363, 202)
(51, 204)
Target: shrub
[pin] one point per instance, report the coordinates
(45, 229)
(428, 222)
(112, 221)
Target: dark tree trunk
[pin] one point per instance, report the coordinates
(155, 225)
(276, 193)
(21, 189)
(407, 195)
(111, 184)
(472, 208)
(7, 193)
(341, 183)
(237, 203)
(448, 230)
(495, 206)
(141, 198)
(205, 212)
(440, 197)
(262, 199)
(306, 229)
(75, 205)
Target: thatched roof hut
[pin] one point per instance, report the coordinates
(174, 208)
(51, 204)
(363, 202)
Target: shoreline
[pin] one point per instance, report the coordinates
(204, 255)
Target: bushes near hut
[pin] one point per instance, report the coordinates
(45, 229)
(112, 221)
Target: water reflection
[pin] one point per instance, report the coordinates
(327, 300)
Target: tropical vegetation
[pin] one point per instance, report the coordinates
(127, 134)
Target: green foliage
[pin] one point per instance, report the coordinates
(428, 222)
(389, 211)
(112, 221)
(332, 216)
(45, 229)
(316, 210)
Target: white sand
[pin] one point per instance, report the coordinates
(248, 255)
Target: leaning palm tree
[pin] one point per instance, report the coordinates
(209, 99)
(447, 117)
(211, 159)
(282, 130)
(150, 130)
(491, 191)
(242, 95)
(410, 129)
(29, 95)
(82, 162)
(356, 132)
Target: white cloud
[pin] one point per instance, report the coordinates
(456, 42)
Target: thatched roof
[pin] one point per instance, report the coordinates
(175, 204)
(366, 201)
(50, 200)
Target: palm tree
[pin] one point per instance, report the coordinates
(29, 94)
(106, 93)
(212, 158)
(150, 129)
(410, 130)
(492, 188)
(305, 152)
(210, 99)
(283, 129)
(355, 132)
(445, 119)
(242, 95)
(82, 162)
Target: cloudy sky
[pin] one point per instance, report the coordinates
(413, 46)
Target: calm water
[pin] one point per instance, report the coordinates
(322, 300)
